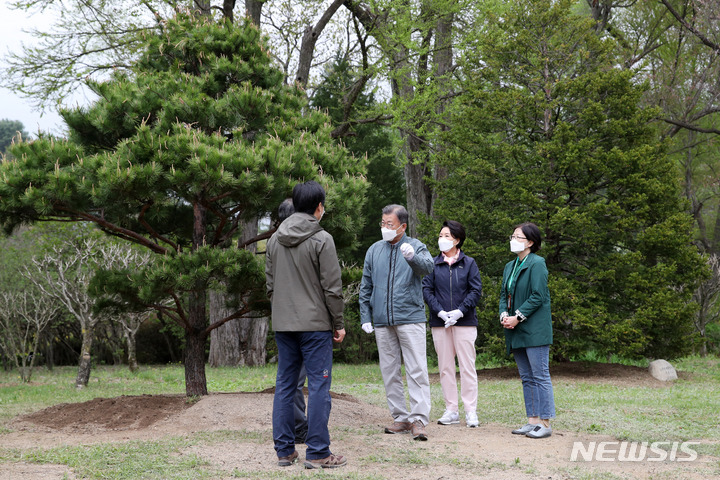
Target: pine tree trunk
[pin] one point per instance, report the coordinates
(255, 334)
(239, 342)
(418, 192)
(195, 336)
(195, 339)
(227, 9)
(83, 376)
(443, 60)
(224, 340)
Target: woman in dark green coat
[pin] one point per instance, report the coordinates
(525, 315)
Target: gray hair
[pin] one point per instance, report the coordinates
(398, 210)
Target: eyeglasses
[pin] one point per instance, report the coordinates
(389, 225)
(516, 237)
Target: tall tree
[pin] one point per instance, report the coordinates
(371, 140)
(548, 130)
(674, 46)
(416, 41)
(202, 137)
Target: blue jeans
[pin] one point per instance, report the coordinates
(533, 366)
(314, 349)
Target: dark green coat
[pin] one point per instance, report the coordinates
(531, 296)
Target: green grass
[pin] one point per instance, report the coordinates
(684, 410)
(157, 460)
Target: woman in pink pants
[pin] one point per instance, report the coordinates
(452, 292)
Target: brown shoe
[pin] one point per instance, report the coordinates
(399, 427)
(333, 461)
(418, 431)
(289, 460)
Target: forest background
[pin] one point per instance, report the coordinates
(138, 237)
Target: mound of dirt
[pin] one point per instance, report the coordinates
(120, 413)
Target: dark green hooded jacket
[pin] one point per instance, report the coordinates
(303, 277)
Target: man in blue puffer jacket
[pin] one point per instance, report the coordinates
(391, 299)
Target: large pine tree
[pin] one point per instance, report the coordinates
(201, 137)
(549, 130)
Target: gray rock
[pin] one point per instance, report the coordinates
(662, 370)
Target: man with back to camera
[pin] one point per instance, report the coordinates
(285, 209)
(391, 299)
(305, 289)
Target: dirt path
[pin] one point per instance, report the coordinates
(452, 452)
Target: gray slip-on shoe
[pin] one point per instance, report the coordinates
(524, 429)
(540, 431)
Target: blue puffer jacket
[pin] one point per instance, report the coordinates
(391, 287)
(451, 287)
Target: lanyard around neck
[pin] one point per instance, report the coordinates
(515, 271)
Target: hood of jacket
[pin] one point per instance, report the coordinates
(297, 228)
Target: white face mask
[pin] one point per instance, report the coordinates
(516, 246)
(445, 244)
(389, 235)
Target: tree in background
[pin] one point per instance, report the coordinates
(417, 42)
(9, 130)
(408, 45)
(174, 158)
(24, 317)
(371, 140)
(123, 258)
(384, 174)
(673, 46)
(64, 274)
(548, 131)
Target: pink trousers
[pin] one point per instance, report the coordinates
(457, 342)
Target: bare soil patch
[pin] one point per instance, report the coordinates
(452, 452)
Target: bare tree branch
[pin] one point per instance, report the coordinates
(689, 27)
(309, 39)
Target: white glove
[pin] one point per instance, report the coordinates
(453, 317)
(407, 251)
(443, 316)
(367, 327)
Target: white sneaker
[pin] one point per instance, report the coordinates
(471, 419)
(449, 418)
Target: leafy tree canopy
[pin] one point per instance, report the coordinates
(548, 131)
